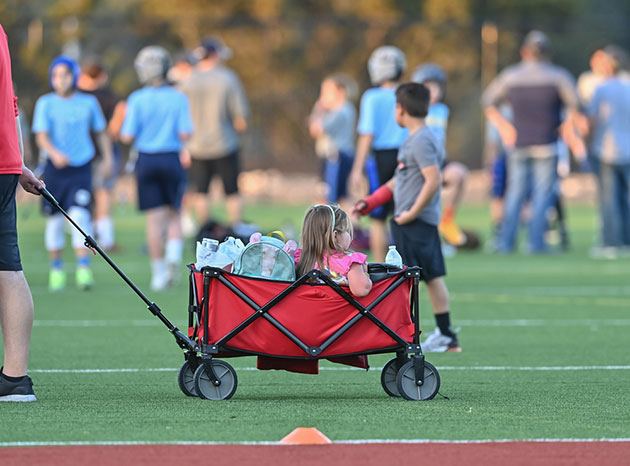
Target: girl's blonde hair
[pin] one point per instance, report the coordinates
(318, 234)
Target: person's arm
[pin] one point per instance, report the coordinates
(492, 97)
(58, 158)
(432, 182)
(105, 148)
(358, 280)
(575, 126)
(364, 144)
(506, 129)
(27, 179)
(381, 196)
(116, 122)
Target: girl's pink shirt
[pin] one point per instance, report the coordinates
(339, 264)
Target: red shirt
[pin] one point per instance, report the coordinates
(10, 157)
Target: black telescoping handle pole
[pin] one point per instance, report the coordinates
(182, 340)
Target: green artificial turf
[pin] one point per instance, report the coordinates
(517, 313)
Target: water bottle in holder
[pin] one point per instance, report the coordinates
(393, 257)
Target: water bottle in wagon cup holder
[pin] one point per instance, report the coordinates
(393, 257)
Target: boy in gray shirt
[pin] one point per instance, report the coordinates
(415, 189)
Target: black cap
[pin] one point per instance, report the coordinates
(211, 46)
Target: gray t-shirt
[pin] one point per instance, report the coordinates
(216, 97)
(420, 150)
(610, 112)
(339, 127)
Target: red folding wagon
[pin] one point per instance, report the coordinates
(292, 325)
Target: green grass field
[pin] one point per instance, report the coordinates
(546, 355)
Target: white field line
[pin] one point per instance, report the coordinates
(463, 323)
(346, 442)
(337, 369)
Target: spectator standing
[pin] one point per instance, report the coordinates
(609, 115)
(93, 80)
(63, 122)
(157, 121)
(379, 136)
(16, 302)
(332, 124)
(537, 92)
(219, 110)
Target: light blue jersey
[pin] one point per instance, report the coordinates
(437, 121)
(377, 118)
(68, 122)
(155, 118)
(610, 111)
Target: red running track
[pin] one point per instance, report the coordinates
(441, 454)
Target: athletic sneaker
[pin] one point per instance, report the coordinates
(451, 232)
(56, 280)
(438, 343)
(160, 276)
(16, 391)
(84, 278)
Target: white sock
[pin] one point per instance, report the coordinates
(174, 250)
(105, 232)
(158, 267)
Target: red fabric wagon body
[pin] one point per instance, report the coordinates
(243, 314)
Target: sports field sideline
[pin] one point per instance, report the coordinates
(545, 357)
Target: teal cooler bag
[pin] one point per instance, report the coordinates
(265, 259)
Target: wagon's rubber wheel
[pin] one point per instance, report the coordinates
(388, 377)
(406, 382)
(226, 375)
(186, 379)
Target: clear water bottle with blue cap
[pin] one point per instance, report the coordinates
(393, 257)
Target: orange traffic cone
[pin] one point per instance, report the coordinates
(305, 436)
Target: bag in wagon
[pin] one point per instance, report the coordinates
(266, 257)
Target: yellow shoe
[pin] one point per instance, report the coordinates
(84, 278)
(56, 280)
(451, 233)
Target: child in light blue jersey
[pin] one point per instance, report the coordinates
(158, 122)
(454, 174)
(62, 123)
(379, 136)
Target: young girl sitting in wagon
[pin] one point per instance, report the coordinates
(326, 238)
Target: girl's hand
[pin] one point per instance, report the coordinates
(404, 218)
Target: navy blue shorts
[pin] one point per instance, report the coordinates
(419, 244)
(379, 169)
(71, 186)
(9, 251)
(336, 173)
(161, 180)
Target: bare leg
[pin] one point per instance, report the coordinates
(16, 318)
(234, 206)
(200, 203)
(455, 175)
(378, 239)
(157, 224)
(438, 294)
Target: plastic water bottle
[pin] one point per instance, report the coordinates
(211, 244)
(393, 257)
